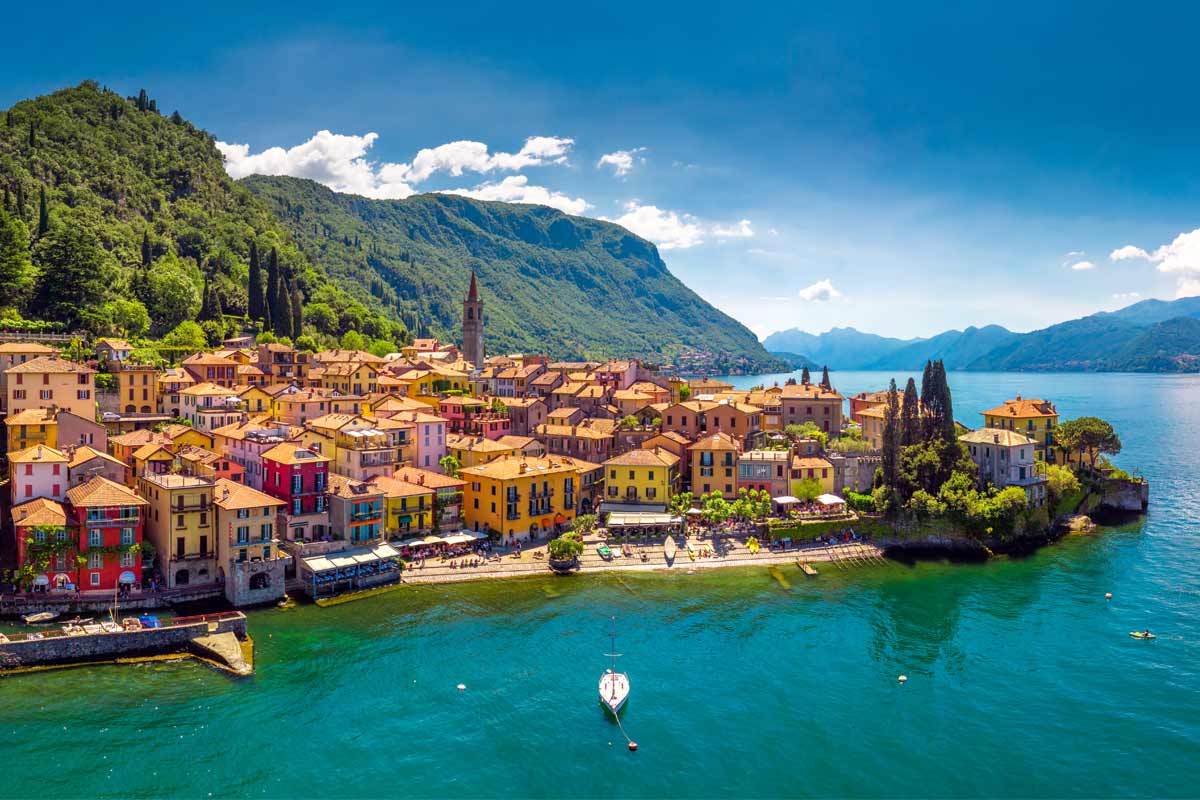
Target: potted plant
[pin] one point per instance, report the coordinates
(564, 551)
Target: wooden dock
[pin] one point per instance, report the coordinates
(807, 568)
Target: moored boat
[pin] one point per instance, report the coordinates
(40, 618)
(1142, 635)
(614, 686)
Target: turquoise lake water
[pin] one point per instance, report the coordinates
(1022, 679)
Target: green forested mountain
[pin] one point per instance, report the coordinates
(572, 286)
(118, 219)
(131, 223)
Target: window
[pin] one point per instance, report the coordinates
(46, 394)
(94, 578)
(95, 560)
(95, 538)
(296, 507)
(126, 535)
(127, 559)
(18, 394)
(243, 534)
(264, 532)
(83, 394)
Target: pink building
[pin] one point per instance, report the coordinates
(38, 471)
(429, 436)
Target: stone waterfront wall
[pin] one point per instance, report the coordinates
(98, 647)
(1125, 496)
(242, 575)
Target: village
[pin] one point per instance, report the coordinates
(257, 469)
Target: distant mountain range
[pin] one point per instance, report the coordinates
(1150, 336)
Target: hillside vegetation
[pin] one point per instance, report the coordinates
(131, 225)
(572, 286)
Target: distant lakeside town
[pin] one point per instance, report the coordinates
(255, 469)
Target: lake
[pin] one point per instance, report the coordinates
(1022, 679)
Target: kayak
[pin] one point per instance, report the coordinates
(1142, 635)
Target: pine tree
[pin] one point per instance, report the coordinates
(254, 303)
(825, 378)
(910, 415)
(43, 214)
(805, 378)
(891, 437)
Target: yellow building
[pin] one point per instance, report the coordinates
(520, 498)
(713, 460)
(181, 526)
(641, 477)
(356, 446)
(471, 451)
(137, 387)
(350, 377)
(407, 507)
(44, 382)
(31, 426)
(1036, 419)
(815, 468)
(14, 353)
(255, 399)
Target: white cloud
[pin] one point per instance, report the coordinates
(339, 161)
(1079, 266)
(516, 189)
(667, 229)
(336, 160)
(456, 157)
(1124, 297)
(1074, 254)
(1128, 252)
(820, 292)
(760, 330)
(1181, 257)
(741, 230)
(620, 160)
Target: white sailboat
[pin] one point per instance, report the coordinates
(614, 686)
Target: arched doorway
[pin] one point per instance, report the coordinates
(261, 580)
(533, 531)
(182, 577)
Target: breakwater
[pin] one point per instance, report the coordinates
(55, 648)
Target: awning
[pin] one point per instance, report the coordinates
(559, 519)
(626, 519)
(830, 500)
(41, 580)
(126, 577)
(458, 538)
(694, 512)
(785, 500)
(431, 539)
(414, 542)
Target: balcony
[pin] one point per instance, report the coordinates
(360, 516)
(377, 459)
(183, 508)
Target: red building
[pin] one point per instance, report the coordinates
(106, 520)
(300, 478)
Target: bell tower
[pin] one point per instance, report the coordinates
(472, 326)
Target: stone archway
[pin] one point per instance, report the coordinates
(260, 580)
(182, 577)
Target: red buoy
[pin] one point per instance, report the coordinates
(633, 746)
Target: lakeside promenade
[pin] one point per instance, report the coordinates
(724, 551)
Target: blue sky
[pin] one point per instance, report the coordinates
(899, 169)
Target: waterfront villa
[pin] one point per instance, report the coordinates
(713, 460)
(520, 498)
(640, 480)
(110, 522)
(248, 555)
(300, 478)
(1034, 418)
(1006, 458)
(180, 525)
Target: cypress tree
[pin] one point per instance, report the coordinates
(21, 200)
(7, 200)
(281, 309)
(805, 378)
(927, 400)
(945, 403)
(43, 214)
(297, 312)
(254, 303)
(891, 437)
(910, 420)
(142, 100)
(206, 301)
(270, 304)
(825, 378)
(32, 134)
(146, 254)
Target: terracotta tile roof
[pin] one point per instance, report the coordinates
(32, 416)
(147, 450)
(715, 441)
(1023, 409)
(22, 348)
(41, 511)
(138, 438)
(208, 360)
(232, 495)
(100, 491)
(517, 466)
(288, 453)
(342, 486)
(806, 462)
(809, 391)
(394, 487)
(46, 364)
(38, 454)
(999, 437)
(643, 458)
(425, 477)
(83, 454)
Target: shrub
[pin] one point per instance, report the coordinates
(566, 547)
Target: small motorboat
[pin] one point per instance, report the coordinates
(40, 618)
(1142, 635)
